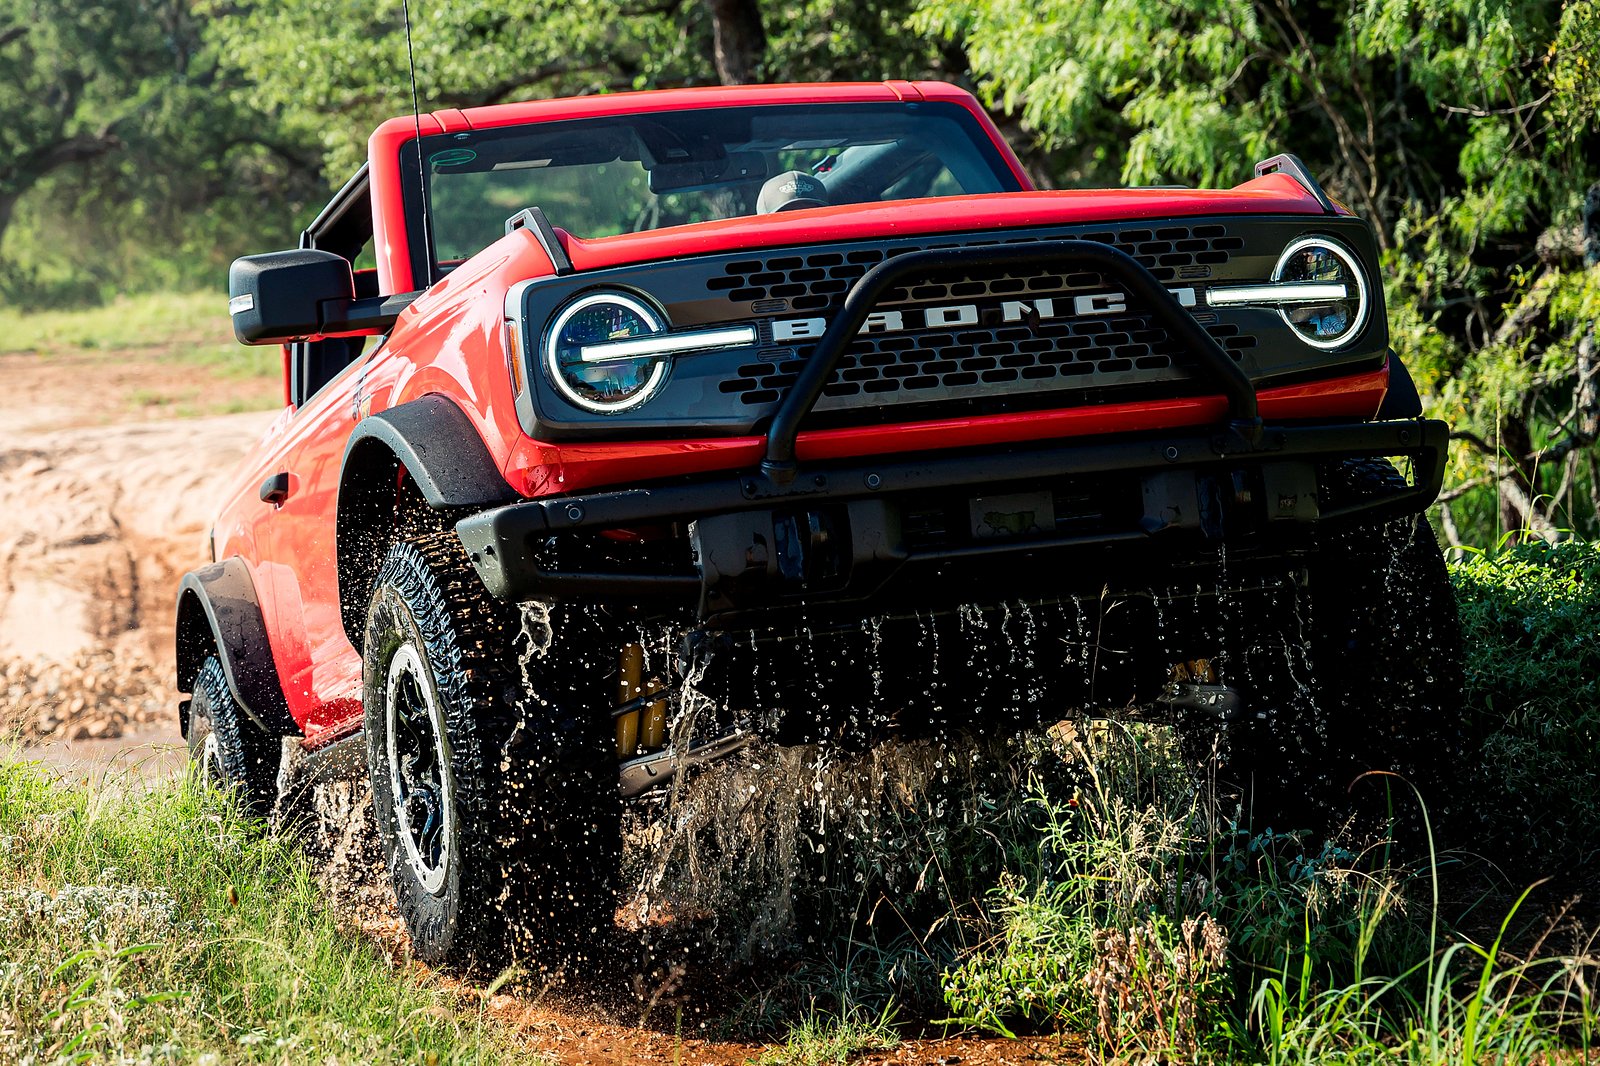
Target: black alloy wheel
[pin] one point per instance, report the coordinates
(226, 746)
(494, 787)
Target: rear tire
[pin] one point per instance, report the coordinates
(227, 746)
(497, 807)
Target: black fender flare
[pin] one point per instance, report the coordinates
(439, 447)
(221, 598)
(435, 443)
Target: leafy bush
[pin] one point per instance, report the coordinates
(1531, 613)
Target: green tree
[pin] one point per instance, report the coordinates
(73, 76)
(127, 158)
(1464, 131)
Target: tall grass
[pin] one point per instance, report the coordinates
(1173, 935)
(157, 925)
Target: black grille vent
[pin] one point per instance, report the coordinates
(1058, 350)
(980, 361)
(819, 280)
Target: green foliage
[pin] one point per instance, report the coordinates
(334, 69)
(1174, 938)
(127, 160)
(160, 926)
(1530, 613)
(1103, 924)
(1470, 1003)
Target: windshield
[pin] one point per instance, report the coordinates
(625, 174)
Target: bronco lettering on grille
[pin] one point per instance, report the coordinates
(951, 316)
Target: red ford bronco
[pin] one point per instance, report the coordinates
(620, 430)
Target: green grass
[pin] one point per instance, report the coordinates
(1170, 936)
(189, 329)
(153, 924)
(146, 321)
(824, 1039)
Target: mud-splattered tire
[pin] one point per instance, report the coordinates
(518, 861)
(227, 746)
(1384, 692)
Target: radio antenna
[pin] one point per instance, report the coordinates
(416, 121)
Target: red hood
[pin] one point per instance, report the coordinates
(1273, 194)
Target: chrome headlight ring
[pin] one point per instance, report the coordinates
(609, 351)
(597, 321)
(1354, 322)
(1311, 290)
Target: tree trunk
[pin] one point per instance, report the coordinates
(740, 39)
(8, 205)
(21, 176)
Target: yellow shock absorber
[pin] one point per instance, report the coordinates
(653, 732)
(628, 689)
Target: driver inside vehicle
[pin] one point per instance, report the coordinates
(791, 191)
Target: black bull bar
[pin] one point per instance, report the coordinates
(779, 464)
(757, 535)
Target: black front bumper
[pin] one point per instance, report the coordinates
(862, 531)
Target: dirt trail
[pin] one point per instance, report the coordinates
(104, 500)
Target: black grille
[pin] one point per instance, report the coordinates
(1051, 355)
(992, 356)
(990, 346)
(818, 281)
(1050, 351)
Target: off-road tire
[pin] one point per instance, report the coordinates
(1383, 693)
(226, 744)
(534, 831)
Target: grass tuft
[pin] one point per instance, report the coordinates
(155, 924)
(821, 1038)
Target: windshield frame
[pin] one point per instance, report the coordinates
(423, 253)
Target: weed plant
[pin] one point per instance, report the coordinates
(1173, 935)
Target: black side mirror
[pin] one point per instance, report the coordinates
(281, 296)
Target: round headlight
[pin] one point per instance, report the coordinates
(1331, 322)
(587, 363)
